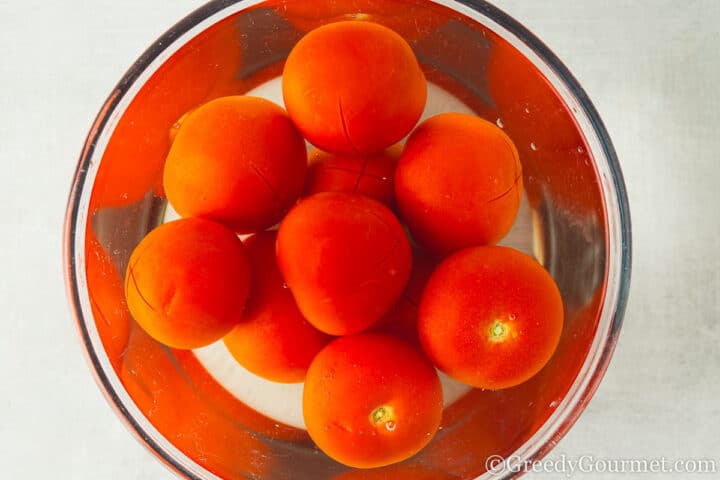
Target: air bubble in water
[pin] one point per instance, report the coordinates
(390, 426)
(581, 149)
(533, 147)
(284, 285)
(500, 122)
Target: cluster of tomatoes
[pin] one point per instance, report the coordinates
(339, 296)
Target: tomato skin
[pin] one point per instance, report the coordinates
(371, 400)
(490, 317)
(371, 175)
(345, 258)
(353, 87)
(401, 320)
(458, 183)
(236, 160)
(273, 340)
(187, 282)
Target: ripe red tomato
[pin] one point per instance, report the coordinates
(187, 282)
(371, 400)
(238, 161)
(372, 175)
(273, 340)
(345, 258)
(353, 87)
(490, 317)
(458, 183)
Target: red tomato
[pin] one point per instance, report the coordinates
(371, 400)
(238, 161)
(353, 87)
(273, 340)
(490, 317)
(345, 258)
(402, 319)
(187, 282)
(372, 175)
(458, 183)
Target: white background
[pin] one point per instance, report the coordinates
(652, 67)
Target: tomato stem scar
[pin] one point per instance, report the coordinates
(498, 331)
(383, 414)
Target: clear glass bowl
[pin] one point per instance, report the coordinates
(574, 219)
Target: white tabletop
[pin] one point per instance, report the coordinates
(652, 68)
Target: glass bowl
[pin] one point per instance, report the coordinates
(204, 416)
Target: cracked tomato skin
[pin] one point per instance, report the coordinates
(371, 400)
(490, 317)
(353, 87)
(274, 341)
(345, 258)
(187, 282)
(372, 175)
(238, 161)
(458, 183)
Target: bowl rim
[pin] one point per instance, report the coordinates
(559, 422)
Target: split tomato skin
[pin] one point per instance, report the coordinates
(345, 258)
(458, 183)
(371, 175)
(236, 160)
(353, 87)
(187, 282)
(371, 400)
(490, 317)
(273, 341)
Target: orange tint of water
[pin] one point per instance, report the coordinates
(174, 392)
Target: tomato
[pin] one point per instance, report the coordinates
(345, 258)
(187, 282)
(372, 175)
(353, 87)
(236, 160)
(402, 319)
(371, 400)
(458, 183)
(273, 340)
(490, 317)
